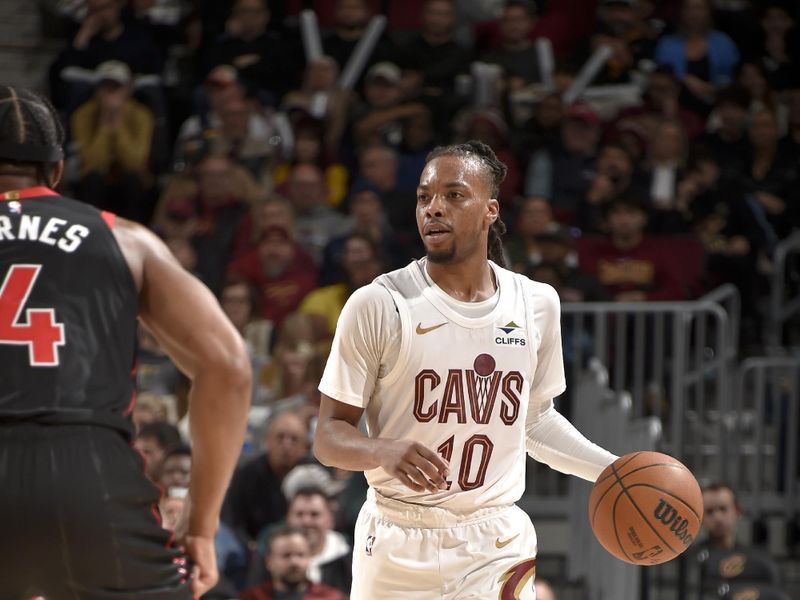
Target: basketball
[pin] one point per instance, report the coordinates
(646, 508)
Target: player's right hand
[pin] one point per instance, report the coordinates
(416, 466)
(204, 561)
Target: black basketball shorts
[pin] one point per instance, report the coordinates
(79, 520)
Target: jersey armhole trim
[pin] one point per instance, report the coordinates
(530, 319)
(405, 341)
(109, 217)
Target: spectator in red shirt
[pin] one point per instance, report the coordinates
(281, 270)
(275, 210)
(287, 560)
(630, 265)
(207, 205)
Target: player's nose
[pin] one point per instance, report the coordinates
(436, 205)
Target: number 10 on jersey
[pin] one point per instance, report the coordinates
(39, 330)
(467, 479)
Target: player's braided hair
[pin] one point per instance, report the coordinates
(496, 170)
(29, 130)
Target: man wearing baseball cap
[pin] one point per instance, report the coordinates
(114, 132)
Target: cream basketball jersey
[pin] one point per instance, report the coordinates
(460, 384)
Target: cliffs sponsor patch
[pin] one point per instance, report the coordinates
(510, 334)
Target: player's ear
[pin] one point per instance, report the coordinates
(492, 211)
(54, 174)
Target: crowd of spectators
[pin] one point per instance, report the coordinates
(284, 190)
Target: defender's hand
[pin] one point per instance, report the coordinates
(204, 563)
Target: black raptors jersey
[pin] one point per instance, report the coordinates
(68, 307)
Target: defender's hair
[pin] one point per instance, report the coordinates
(31, 135)
(496, 171)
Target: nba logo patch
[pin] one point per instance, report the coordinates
(15, 207)
(649, 553)
(370, 543)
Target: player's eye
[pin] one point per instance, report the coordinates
(422, 198)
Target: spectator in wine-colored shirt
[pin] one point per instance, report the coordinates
(280, 269)
(630, 265)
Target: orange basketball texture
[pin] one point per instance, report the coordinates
(646, 508)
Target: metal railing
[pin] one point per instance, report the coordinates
(605, 417)
(672, 361)
(675, 358)
(763, 429)
(782, 305)
(632, 368)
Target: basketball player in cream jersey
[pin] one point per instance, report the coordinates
(455, 361)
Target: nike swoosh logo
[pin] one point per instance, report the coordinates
(499, 544)
(423, 330)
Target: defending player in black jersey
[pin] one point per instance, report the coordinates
(78, 518)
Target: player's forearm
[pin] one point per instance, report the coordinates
(219, 402)
(553, 440)
(339, 444)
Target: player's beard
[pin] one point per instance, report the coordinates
(442, 257)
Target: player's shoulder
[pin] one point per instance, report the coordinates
(544, 292)
(75, 211)
(368, 309)
(404, 281)
(76, 205)
(66, 206)
(539, 291)
(376, 300)
(372, 297)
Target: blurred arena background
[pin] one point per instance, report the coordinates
(654, 180)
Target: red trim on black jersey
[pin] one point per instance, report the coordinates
(31, 192)
(179, 561)
(132, 402)
(109, 217)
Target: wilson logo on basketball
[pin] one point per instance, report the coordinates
(669, 516)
